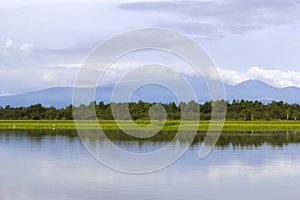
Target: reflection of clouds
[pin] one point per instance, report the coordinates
(96, 173)
(275, 169)
(89, 179)
(57, 170)
(15, 191)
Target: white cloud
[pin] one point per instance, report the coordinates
(26, 47)
(57, 76)
(8, 43)
(17, 51)
(68, 66)
(7, 47)
(2, 71)
(5, 94)
(47, 76)
(276, 78)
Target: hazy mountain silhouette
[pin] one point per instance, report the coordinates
(248, 90)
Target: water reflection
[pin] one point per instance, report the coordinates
(234, 139)
(54, 165)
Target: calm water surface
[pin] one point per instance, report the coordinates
(55, 165)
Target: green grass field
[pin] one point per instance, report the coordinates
(278, 125)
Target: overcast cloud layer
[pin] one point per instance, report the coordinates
(43, 44)
(217, 18)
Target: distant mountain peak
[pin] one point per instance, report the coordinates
(253, 82)
(247, 90)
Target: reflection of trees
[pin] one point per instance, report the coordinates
(235, 139)
(256, 139)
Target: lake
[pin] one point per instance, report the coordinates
(42, 164)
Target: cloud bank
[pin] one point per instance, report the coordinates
(43, 45)
(217, 18)
(275, 78)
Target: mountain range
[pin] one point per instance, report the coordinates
(247, 90)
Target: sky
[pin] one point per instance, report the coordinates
(44, 43)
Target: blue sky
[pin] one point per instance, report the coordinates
(43, 43)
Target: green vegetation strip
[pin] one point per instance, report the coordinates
(172, 125)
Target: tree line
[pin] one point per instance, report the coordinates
(236, 110)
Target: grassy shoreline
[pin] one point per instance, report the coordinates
(172, 125)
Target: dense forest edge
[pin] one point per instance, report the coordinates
(235, 110)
